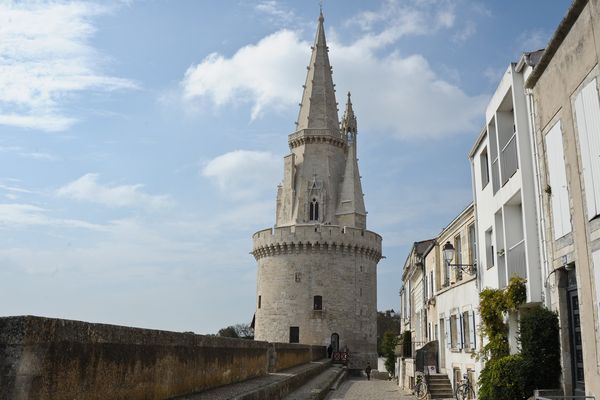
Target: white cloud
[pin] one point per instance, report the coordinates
(408, 92)
(28, 214)
(87, 188)
(258, 73)
(244, 174)
(276, 12)
(45, 56)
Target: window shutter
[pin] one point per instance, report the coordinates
(448, 334)
(473, 329)
(459, 331)
(596, 266)
(587, 113)
(561, 212)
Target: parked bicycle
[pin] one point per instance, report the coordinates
(464, 390)
(421, 390)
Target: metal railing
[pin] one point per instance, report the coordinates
(517, 262)
(508, 159)
(495, 175)
(548, 394)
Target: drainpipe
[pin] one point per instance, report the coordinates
(539, 198)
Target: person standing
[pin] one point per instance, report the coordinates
(368, 371)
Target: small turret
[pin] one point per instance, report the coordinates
(351, 207)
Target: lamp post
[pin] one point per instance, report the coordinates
(449, 251)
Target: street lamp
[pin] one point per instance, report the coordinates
(449, 251)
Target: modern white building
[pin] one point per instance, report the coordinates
(505, 191)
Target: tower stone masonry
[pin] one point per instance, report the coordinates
(317, 268)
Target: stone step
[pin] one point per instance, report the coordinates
(273, 386)
(320, 386)
(439, 387)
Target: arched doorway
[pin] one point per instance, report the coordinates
(335, 342)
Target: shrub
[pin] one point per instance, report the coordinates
(388, 345)
(516, 293)
(504, 378)
(540, 347)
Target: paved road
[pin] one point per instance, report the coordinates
(362, 389)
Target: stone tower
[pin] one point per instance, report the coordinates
(317, 268)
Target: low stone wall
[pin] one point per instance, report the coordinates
(42, 358)
(289, 355)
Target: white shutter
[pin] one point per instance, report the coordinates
(473, 330)
(561, 212)
(448, 334)
(596, 261)
(587, 113)
(459, 331)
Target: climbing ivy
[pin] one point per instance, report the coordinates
(495, 382)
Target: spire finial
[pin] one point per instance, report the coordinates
(321, 11)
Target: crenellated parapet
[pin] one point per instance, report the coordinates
(321, 136)
(298, 239)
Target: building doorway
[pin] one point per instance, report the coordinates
(335, 342)
(575, 339)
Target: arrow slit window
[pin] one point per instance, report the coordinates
(314, 210)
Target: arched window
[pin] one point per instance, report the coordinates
(314, 210)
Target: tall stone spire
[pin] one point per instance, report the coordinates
(351, 207)
(318, 109)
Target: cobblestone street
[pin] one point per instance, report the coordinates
(362, 389)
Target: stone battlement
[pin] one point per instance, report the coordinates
(315, 136)
(316, 238)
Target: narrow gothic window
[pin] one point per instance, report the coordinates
(318, 303)
(314, 210)
(259, 301)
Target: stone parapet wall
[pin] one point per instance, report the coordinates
(316, 238)
(42, 358)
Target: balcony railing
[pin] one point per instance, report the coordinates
(495, 175)
(508, 159)
(517, 262)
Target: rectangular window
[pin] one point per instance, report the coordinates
(473, 329)
(446, 334)
(294, 334)
(466, 322)
(587, 112)
(298, 276)
(453, 332)
(259, 301)
(318, 303)
(431, 283)
(472, 244)
(489, 249)
(485, 168)
(458, 256)
(557, 177)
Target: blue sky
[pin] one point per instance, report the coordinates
(141, 142)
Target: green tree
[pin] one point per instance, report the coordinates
(228, 332)
(540, 347)
(242, 331)
(388, 346)
(386, 321)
